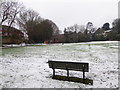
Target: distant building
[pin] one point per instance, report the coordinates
(11, 36)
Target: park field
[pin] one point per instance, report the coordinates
(27, 67)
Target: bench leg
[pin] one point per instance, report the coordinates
(67, 73)
(53, 72)
(83, 75)
(83, 72)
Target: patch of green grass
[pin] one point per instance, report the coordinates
(13, 51)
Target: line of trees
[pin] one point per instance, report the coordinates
(81, 33)
(35, 28)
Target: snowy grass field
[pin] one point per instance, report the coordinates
(27, 67)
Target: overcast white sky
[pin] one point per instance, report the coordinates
(69, 12)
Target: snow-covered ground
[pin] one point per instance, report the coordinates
(27, 67)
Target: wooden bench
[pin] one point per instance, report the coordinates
(76, 66)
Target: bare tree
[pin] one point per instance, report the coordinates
(26, 17)
(27, 20)
(82, 28)
(9, 11)
(8, 14)
(4, 11)
(76, 28)
(89, 27)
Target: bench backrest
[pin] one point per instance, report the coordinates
(77, 66)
